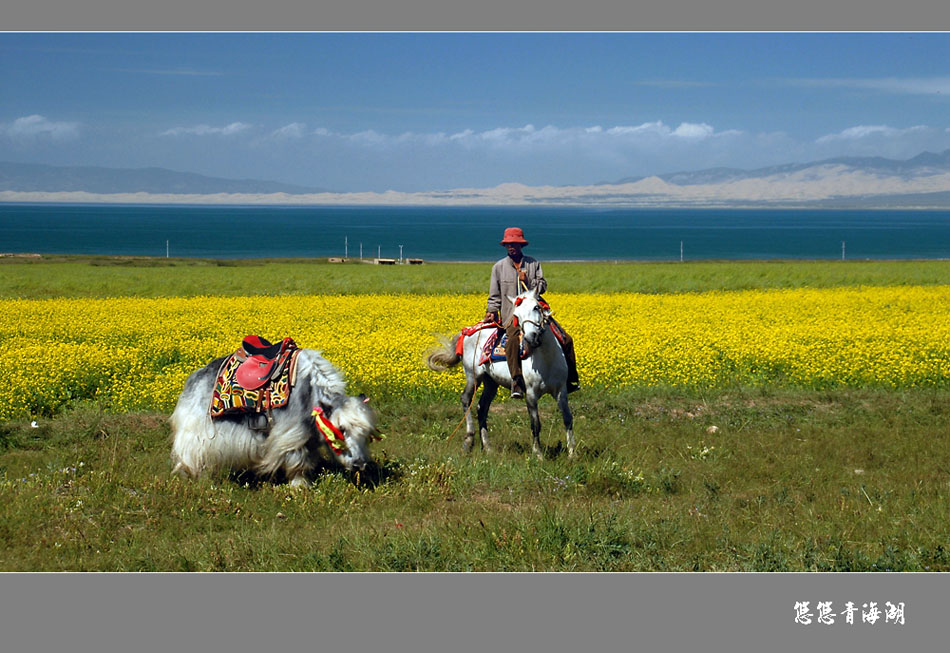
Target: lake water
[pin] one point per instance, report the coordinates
(472, 234)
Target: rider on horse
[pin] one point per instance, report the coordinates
(510, 277)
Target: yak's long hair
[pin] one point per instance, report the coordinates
(292, 446)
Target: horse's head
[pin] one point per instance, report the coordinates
(531, 317)
(357, 421)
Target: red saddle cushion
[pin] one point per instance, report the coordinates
(254, 372)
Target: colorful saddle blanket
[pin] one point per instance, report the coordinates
(231, 396)
(494, 348)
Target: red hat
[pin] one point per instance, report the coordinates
(514, 235)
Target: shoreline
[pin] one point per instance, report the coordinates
(762, 205)
(925, 195)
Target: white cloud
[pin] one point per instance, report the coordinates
(693, 131)
(206, 130)
(37, 126)
(539, 154)
(528, 153)
(524, 140)
(293, 130)
(530, 137)
(371, 137)
(657, 128)
(685, 131)
(880, 140)
(861, 132)
(502, 135)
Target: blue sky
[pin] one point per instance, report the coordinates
(429, 111)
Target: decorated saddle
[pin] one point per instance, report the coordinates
(256, 378)
(494, 348)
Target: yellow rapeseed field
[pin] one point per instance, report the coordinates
(132, 353)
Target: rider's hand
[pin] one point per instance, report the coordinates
(490, 317)
(522, 276)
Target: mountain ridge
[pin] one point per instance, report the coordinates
(919, 163)
(38, 177)
(922, 181)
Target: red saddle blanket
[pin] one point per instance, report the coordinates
(230, 397)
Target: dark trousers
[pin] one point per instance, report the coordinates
(513, 354)
(568, 346)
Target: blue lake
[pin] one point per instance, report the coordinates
(472, 234)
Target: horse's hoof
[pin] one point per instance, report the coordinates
(467, 445)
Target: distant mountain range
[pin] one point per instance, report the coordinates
(847, 182)
(926, 163)
(27, 177)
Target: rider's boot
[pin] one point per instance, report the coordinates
(517, 387)
(573, 381)
(512, 354)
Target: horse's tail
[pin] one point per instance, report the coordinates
(445, 355)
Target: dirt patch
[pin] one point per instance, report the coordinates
(486, 499)
(654, 409)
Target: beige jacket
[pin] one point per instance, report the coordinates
(504, 284)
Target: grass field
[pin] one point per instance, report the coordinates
(757, 477)
(59, 276)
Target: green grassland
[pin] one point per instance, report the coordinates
(840, 481)
(58, 276)
(744, 479)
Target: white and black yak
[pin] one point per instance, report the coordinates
(292, 444)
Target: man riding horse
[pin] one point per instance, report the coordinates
(510, 277)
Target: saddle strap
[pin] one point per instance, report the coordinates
(558, 332)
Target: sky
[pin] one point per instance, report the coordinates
(351, 112)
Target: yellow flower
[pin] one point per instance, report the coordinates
(135, 354)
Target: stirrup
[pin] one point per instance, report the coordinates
(517, 394)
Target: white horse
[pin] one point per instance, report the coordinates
(292, 444)
(544, 371)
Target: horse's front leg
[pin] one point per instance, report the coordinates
(468, 396)
(531, 400)
(568, 420)
(484, 403)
